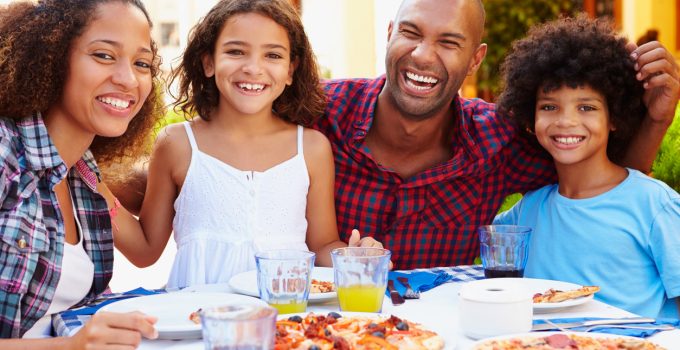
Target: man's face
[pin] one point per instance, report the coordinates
(432, 46)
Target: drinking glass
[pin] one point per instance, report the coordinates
(504, 250)
(283, 278)
(360, 277)
(238, 327)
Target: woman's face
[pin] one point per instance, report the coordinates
(109, 73)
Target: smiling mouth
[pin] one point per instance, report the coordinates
(251, 87)
(115, 102)
(571, 140)
(420, 82)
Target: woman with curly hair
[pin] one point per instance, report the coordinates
(571, 85)
(77, 81)
(245, 175)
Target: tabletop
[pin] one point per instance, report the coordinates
(437, 310)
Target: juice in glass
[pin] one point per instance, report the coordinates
(362, 298)
(291, 307)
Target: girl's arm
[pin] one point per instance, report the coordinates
(322, 229)
(144, 242)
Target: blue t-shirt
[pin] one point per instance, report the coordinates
(626, 240)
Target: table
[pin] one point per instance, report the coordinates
(438, 310)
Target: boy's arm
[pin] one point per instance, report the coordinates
(660, 75)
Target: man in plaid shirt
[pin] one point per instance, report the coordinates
(420, 168)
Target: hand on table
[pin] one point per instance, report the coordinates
(658, 70)
(110, 330)
(355, 240)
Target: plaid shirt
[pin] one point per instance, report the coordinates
(32, 228)
(429, 219)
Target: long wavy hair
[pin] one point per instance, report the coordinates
(34, 38)
(300, 103)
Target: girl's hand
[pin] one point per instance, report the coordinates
(355, 240)
(110, 330)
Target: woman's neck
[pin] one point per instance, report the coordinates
(589, 179)
(70, 140)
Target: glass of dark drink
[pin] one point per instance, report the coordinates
(504, 250)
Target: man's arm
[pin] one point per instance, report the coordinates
(660, 75)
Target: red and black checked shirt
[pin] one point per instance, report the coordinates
(431, 218)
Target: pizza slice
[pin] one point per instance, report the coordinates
(318, 286)
(556, 296)
(195, 316)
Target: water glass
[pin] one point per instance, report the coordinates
(238, 327)
(283, 278)
(504, 249)
(360, 277)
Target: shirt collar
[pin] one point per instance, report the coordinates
(41, 154)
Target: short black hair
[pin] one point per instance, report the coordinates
(574, 52)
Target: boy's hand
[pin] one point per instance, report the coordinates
(658, 70)
(355, 240)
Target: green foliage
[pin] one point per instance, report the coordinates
(510, 201)
(667, 164)
(507, 21)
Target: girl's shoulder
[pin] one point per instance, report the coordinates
(315, 142)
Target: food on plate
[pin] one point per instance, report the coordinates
(195, 316)
(321, 286)
(335, 331)
(555, 296)
(567, 341)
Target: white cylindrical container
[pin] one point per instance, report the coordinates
(496, 306)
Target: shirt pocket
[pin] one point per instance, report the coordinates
(22, 240)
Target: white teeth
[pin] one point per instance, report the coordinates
(115, 102)
(248, 86)
(569, 140)
(421, 78)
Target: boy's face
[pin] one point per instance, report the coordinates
(573, 125)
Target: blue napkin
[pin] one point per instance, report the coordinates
(640, 333)
(91, 309)
(419, 280)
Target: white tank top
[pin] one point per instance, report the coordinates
(224, 215)
(75, 281)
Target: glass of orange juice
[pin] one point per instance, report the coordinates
(360, 277)
(283, 278)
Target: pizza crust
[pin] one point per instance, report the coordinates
(556, 296)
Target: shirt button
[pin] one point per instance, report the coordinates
(21, 243)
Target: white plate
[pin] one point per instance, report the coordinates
(173, 310)
(246, 283)
(545, 334)
(536, 285)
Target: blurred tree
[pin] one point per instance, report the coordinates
(507, 21)
(667, 164)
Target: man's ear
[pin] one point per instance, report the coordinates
(477, 59)
(208, 65)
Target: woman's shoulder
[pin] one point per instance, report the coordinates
(9, 140)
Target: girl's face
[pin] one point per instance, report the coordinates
(573, 124)
(251, 63)
(109, 74)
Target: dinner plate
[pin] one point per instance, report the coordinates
(246, 283)
(173, 310)
(478, 343)
(536, 285)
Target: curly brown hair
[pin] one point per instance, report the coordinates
(574, 52)
(300, 103)
(34, 38)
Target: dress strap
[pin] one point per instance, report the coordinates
(190, 135)
(299, 139)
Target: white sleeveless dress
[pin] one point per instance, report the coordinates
(224, 215)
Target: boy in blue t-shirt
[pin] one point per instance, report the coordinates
(571, 85)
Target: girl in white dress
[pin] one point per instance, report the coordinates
(243, 176)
